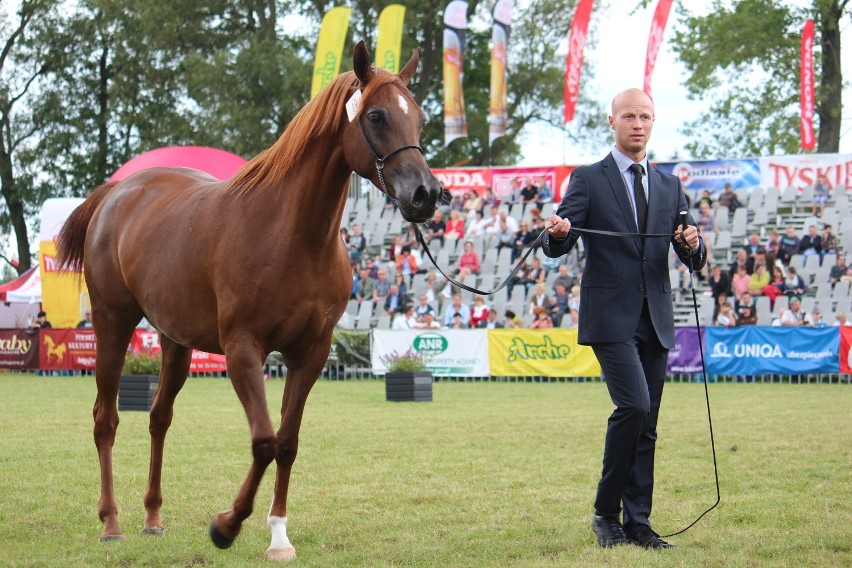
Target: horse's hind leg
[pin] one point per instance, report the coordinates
(173, 374)
(301, 377)
(113, 337)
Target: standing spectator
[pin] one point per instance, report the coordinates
(821, 189)
(357, 244)
(811, 243)
(729, 199)
(788, 245)
(837, 271)
(541, 319)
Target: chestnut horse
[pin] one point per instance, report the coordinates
(243, 267)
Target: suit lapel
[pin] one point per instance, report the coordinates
(619, 191)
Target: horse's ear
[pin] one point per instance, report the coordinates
(411, 67)
(361, 63)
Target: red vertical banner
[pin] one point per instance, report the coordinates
(655, 38)
(574, 59)
(806, 86)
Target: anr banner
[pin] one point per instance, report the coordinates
(534, 352)
(449, 352)
(758, 350)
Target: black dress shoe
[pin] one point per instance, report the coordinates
(647, 538)
(609, 531)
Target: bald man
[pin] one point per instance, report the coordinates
(626, 313)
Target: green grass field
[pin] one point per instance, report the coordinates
(489, 474)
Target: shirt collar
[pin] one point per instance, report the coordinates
(623, 162)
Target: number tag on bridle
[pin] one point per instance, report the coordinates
(352, 105)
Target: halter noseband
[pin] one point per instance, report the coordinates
(380, 160)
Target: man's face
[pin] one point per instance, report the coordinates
(632, 120)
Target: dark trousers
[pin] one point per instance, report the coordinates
(634, 372)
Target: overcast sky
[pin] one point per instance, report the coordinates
(543, 145)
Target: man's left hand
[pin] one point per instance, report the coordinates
(688, 239)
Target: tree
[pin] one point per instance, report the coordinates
(754, 83)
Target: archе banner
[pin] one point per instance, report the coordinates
(655, 38)
(332, 36)
(389, 41)
(455, 24)
(806, 86)
(757, 350)
(549, 353)
(574, 59)
(498, 113)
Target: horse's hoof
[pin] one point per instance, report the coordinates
(288, 553)
(111, 537)
(153, 531)
(220, 540)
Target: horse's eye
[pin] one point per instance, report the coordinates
(375, 117)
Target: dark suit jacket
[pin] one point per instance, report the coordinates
(619, 271)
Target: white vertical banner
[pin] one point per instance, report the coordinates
(449, 352)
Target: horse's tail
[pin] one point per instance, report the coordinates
(72, 238)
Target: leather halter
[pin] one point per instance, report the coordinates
(380, 160)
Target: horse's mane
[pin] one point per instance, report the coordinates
(322, 116)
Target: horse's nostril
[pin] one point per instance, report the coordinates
(420, 195)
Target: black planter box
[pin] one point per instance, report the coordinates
(136, 392)
(410, 386)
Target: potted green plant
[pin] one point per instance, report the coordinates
(140, 377)
(407, 378)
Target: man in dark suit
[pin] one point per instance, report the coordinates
(626, 313)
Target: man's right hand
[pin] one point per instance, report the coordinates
(559, 227)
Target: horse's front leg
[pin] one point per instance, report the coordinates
(173, 373)
(298, 385)
(245, 365)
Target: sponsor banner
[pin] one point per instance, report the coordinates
(332, 36)
(806, 87)
(202, 362)
(685, 357)
(757, 350)
(19, 349)
(536, 352)
(455, 24)
(63, 295)
(574, 59)
(655, 38)
(506, 183)
(498, 114)
(845, 349)
(66, 349)
(449, 352)
(389, 41)
(698, 175)
(801, 170)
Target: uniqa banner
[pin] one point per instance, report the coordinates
(448, 352)
(547, 353)
(685, 357)
(801, 170)
(455, 24)
(389, 41)
(757, 350)
(498, 114)
(698, 175)
(332, 36)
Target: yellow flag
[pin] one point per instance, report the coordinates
(332, 36)
(389, 42)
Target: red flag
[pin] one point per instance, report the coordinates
(806, 86)
(574, 60)
(655, 38)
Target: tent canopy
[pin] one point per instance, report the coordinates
(25, 289)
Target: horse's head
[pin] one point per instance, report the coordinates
(382, 139)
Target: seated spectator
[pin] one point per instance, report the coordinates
(472, 202)
(740, 283)
(395, 248)
(776, 286)
(455, 226)
(773, 238)
(718, 281)
(364, 286)
(793, 283)
(793, 316)
(479, 312)
(428, 322)
(423, 307)
(539, 298)
(788, 245)
(746, 300)
(528, 194)
(842, 320)
(357, 244)
(405, 319)
(395, 301)
(747, 316)
(457, 307)
(829, 243)
(457, 322)
(822, 187)
(811, 243)
(513, 321)
(475, 225)
(436, 228)
(742, 259)
(381, 288)
(564, 277)
(706, 223)
(758, 280)
(523, 239)
(41, 321)
(491, 321)
(728, 199)
(837, 271)
(536, 273)
(815, 319)
(86, 322)
(724, 314)
(505, 234)
(541, 318)
(469, 259)
(705, 198)
(406, 265)
(560, 304)
(753, 247)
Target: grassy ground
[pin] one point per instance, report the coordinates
(489, 474)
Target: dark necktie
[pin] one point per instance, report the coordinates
(639, 195)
